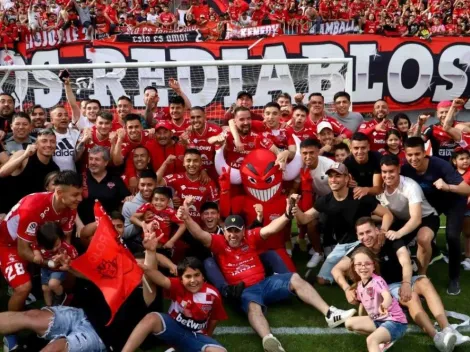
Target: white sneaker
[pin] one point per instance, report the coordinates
(385, 346)
(314, 260)
(461, 339)
(445, 341)
(271, 344)
(466, 264)
(338, 316)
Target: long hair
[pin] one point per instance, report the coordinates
(373, 257)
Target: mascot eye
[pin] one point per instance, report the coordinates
(252, 180)
(270, 179)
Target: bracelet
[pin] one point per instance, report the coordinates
(406, 282)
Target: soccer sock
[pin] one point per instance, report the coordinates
(11, 341)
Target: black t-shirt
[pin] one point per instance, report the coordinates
(437, 169)
(89, 298)
(342, 215)
(413, 29)
(110, 191)
(390, 267)
(363, 174)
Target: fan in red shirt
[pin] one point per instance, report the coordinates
(324, 9)
(317, 114)
(451, 28)
(238, 259)
(245, 99)
(258, 14)
(177, 114)
(189, 183)
(18, 231)
(371, 25)
(298, 128)
(111, 14)
(344, 13)
(132, 136)
(102, 23)
(376, 129)
(195, 309)
(166, 18)
(355, 9)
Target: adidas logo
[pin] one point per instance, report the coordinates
(64, 148)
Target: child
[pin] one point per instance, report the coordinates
(341, 151)
(159, 210)
(394, 146)
(461, 161)
(385, 321)
(195, 309)
(50, 245)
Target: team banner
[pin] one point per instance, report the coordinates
(237, 32)
(409, 73)
(163, 37)
(335, 28)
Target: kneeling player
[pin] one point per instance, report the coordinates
(194, 312)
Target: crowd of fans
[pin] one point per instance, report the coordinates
(103, 17)
(361, 192)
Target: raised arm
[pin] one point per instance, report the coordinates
(174, 84)
(303, 218)
(71, 99)
(183, 214)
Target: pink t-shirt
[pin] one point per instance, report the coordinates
(370, 296)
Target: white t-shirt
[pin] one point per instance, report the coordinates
(82, 123)
(407, 193)
(64, 155)
(152, 18)
(320, 179)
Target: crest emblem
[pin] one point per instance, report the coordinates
(108, 268)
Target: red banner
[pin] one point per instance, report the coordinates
(410, 73)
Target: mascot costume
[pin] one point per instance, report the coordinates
(262, 183)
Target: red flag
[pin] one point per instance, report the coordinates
(108, 264)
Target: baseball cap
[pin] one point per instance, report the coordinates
(164, 124)
(339, 168)
(243, 93)
(234, 221)
(322, 125)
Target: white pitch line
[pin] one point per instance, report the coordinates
(242, 330)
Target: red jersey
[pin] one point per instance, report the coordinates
(167, 17)
(64, 248)
(185, 187)
(193, 311)
(164, 218)
(199, 141)
(304, 133)
(241, 263)
(251, 142)
(401, 156)
(159, 154)
(162, 114)
(280, 137)
(442, 143)
(466, 178)
(178, 130)
(338, 127)
(32, 211)
(371, 27)
(377, 139)
(465, 141)
(128, 145)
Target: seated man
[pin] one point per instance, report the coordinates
(396, 269)
(237, 255)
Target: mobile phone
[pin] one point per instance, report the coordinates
(63, 75)
(292, 202)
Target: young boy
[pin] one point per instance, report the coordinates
(160, 211)
(341, 151)
(195, 309)
(50, 245)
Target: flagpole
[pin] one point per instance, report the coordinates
(144, 279)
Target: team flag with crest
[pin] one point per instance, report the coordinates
(109, 264)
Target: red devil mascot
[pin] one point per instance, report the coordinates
(262, 181)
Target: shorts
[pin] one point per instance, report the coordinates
(47, 274)
(183, 339)
(430, 221)
(271, 290)
(333, 258)
(394, 288)
(72, 323)
(14, 268)
(395, 329)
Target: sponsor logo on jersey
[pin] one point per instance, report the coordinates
(64, 148)
(190, 323)
(379, 141)
(202, 189)
(32, 228)
(43, 214)
(111, 185)
(196, 198)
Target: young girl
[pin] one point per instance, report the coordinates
(394, 146)
(461, 161)
(402, 124)
(385, 321)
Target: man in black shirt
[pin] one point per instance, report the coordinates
(396, 269)
(342, 210)
(364, 167)
(447, 192)
(7, 109)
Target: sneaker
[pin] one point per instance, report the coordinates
(170, 350)
(311, 251)
(234, 291)
(314, 260)
(461, 339)
(436, 254)
(454, 288)
(59, 300)
(10, 343)
(338, 316)
(385, 346)
(30, 300)
(445, 341)
(271, 344)
(466, 264)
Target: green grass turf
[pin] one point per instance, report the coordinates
(293, 313)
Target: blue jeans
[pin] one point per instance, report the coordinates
(47, 274)
(183, 339)
(72, 323)
(395, 329)
(333, 258)
(394, 288)
(271, 290)
(270, 260)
